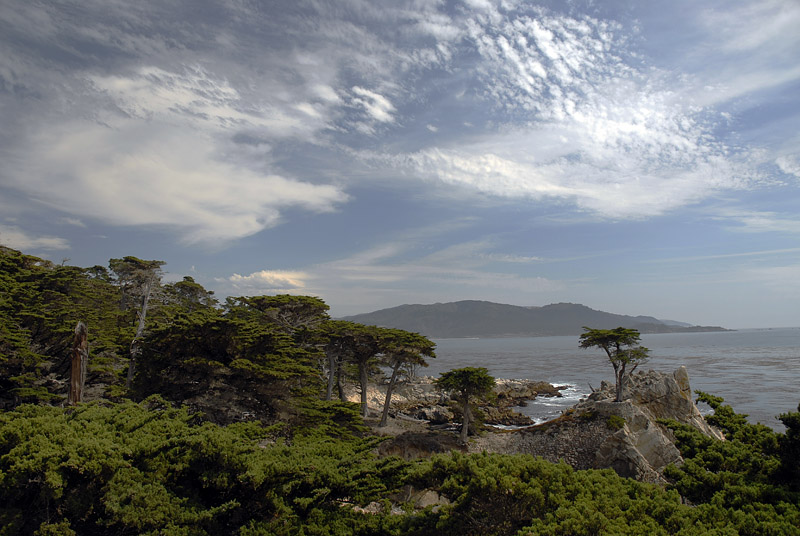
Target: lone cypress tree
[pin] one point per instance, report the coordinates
(621, 345)
(469, 383)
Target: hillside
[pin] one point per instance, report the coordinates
(471, 318)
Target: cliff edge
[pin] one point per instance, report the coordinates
(599, 433)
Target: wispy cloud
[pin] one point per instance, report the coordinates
(750, 221)
(73, 221)
(505, 257)
(592, 126)
(760, 253)
(428, 276)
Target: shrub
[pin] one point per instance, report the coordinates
(615, 422)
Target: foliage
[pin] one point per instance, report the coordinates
(298, 316)
(615, 422)
(745, 481)
(40, 304)
(304, 464)
(150, 469)
(402, 349)
(469, 383)
(789, 450)
(208, 357)
(505, 494)
(138, 280)
(354, 343)
(621, 345)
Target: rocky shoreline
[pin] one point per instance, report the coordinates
(596, 433)
(420, 399)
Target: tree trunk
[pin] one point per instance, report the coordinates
(466, 418)
(135, 346)
(339, 386)
(389, 390)
(620, 374)
(80, 356)
(332, 362)
(362, 375)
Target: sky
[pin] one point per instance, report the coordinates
(635, 157)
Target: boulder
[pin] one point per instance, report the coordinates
(435, 414)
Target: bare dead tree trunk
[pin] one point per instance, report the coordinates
(80, 356)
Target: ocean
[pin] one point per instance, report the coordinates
(757, 371)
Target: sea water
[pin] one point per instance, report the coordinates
(757, 371)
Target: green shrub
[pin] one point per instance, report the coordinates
(150, 469)
(615, 422)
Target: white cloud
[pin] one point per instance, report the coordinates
(150, 173)
(16, 238)
(589, 127)
(268, 282)
(377, 107)
(73, 221)
(789, 164)
(194, 97)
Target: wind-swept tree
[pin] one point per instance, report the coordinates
(402, 349)
(469, 383)
(137, 279)
(189, 295)
(338, 335)
(365, 346)
(621, 345)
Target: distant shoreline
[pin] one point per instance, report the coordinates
(474, 318)
(694, 329)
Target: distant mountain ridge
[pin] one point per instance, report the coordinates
(472, 318)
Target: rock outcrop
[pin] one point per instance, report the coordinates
(624, 436)
(422, 400)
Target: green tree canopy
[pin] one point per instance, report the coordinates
(468, 383)
(621, 345)
(402, 349)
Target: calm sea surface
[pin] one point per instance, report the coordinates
(756, 371)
